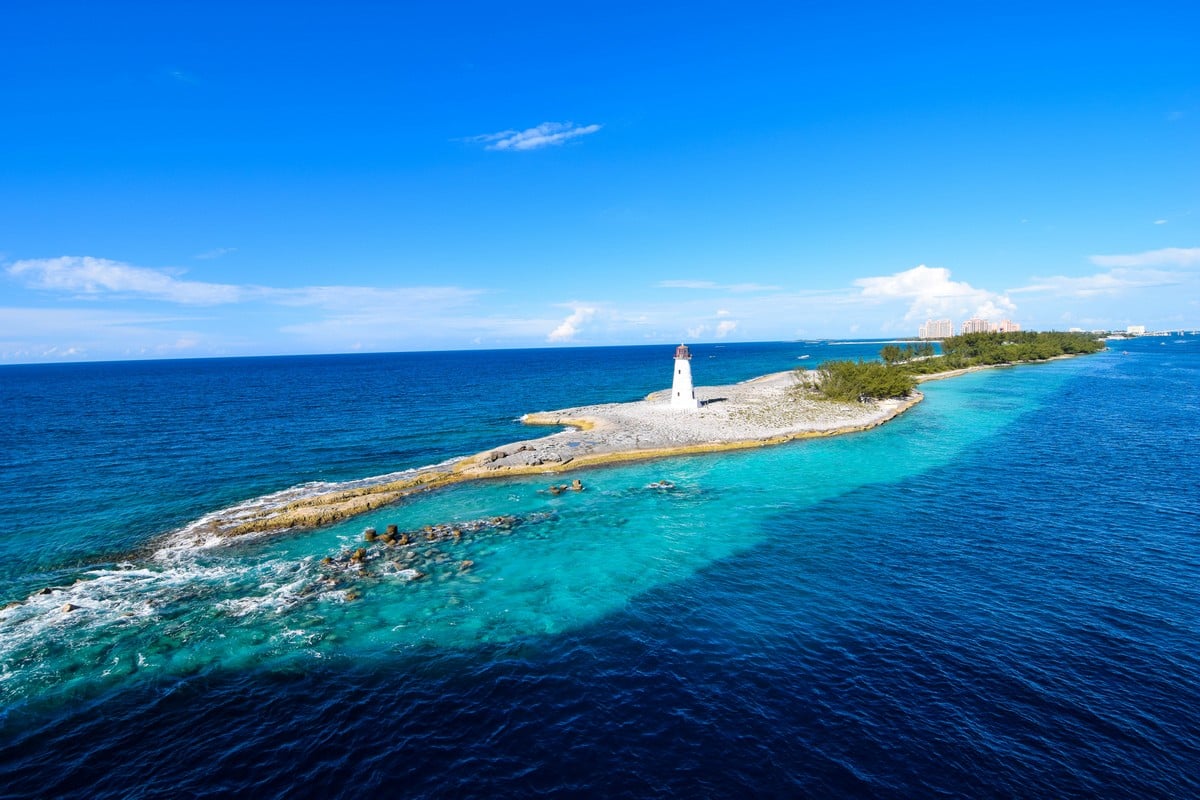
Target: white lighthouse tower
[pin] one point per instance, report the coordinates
(683, 394)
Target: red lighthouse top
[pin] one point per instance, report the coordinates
(682, 352)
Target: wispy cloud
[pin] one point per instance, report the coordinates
(1166, 257)
(726, 287)
(216, 252)
(85, 276)
(1112, 282)
(570, 327)
(91, 278)
(545, 135)
(931, 293)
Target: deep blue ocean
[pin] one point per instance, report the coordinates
(995, 595)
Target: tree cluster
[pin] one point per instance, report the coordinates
(863, 380)
(975, 349)
(891, 354)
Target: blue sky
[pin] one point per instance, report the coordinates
(196, 179)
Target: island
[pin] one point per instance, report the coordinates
(768, 410)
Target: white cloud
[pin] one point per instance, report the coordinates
(1112, 282)
(1160, 222)
(84, 276)
(722, 312)
(387, 302)
(51, 334)
(89, 277)
(726, 327)
(1166, 257)
(570, 327)
(216, 252)
(728, 287)
(544, 135)
(931, 293)
(1152, 268)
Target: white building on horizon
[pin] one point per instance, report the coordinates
(1004, 326)
(975, 325)
(683, 394)
(936, 329)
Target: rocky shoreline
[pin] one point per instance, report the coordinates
(768, 410)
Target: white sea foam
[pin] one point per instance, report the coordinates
(205, 533)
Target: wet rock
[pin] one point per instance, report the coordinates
(369, 535)
(360, 555)
(45, 591)
(392, 530)
(577, 485)
(466, 565)
(69, 607)
(352, 595)
(326, 561)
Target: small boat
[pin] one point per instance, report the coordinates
(803, 356)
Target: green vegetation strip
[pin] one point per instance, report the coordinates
(895, 375)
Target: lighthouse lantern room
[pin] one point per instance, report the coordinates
(683, 394)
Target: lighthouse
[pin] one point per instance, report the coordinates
(683, 394)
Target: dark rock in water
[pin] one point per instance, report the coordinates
(392, 530)
(69, 607)
(466, 565)
(352, 595)
(360, 555)
(45, 591)
(577, 485)
(369, 534)
(326, 560)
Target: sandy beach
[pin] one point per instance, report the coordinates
(759, 412)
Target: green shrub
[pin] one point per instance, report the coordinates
(862, 380)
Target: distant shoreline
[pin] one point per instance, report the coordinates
(759, 412)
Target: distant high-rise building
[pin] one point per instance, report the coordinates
(1136, 330)
(936, 329)
(975, 325)
(1005, 326)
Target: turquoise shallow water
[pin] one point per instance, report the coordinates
(994, 592)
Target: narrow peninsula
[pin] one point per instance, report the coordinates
(772, 409)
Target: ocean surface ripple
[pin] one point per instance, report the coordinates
(993, 596)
